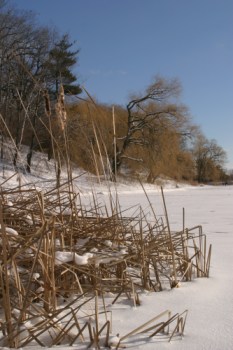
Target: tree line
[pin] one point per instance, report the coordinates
(152, 135)
(34, 61)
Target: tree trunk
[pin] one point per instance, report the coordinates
(151, 177)
(29, 155)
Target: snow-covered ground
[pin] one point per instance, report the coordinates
(209, 301)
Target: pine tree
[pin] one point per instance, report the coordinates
(61, 60)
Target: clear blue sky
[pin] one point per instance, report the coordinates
(125, 43)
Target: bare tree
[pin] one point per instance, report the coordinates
(147, 114)
(24, 50)
(210, 159)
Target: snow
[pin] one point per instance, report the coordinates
(10, 231)
(208, 300)
(65, 257)
(82, 259)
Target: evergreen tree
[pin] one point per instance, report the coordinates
(61, 60)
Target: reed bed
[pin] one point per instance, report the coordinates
(60, 259)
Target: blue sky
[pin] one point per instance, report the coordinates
(125, 43)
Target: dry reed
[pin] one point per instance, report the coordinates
(126, 256)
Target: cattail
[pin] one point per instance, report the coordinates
(60, 108)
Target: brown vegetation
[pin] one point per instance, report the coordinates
(107, 252)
